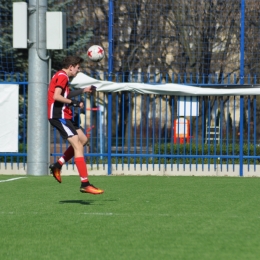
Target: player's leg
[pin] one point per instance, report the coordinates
(69, 153)
(66, 128)
(77, 139)
(62, 126)
(87, 188)
(80, 162)
(82, 137)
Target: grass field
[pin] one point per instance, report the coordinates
(136, 218)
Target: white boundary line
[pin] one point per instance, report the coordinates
(94, 213)
(13, 179)
(126, 214)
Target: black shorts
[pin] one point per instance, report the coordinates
(66, 127)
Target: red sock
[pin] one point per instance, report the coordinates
(82, 169)
(68, 154)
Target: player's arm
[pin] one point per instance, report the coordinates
(58, 97)
(80, 91)
(75, 93)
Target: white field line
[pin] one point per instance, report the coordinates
(111, 214)
(13, 179)
(90, 213)
(126, 214)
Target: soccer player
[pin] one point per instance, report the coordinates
(60, 116)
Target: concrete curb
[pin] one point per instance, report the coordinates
(151, 170)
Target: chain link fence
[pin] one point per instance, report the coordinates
(195, 41)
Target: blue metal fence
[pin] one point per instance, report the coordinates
(142, 130)
(130, 129)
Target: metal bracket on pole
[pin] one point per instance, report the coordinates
(30, 43)
(31, 10)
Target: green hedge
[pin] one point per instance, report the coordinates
(6, 159)
(207, 149)
(174, 149)
(190, 149)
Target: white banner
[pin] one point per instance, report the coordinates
(188, 106)
(82, 80)
(9, 117)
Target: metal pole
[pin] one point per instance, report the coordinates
(110, 38)
(49, 126)
(242, 80)
(110, 71)
(37, 160)
(101, 134)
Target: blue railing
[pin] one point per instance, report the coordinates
(129, 129)
(136, 143)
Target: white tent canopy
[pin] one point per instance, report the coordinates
(82, 80)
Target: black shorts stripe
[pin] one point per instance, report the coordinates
(66, 127)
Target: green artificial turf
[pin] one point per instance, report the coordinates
(137, 217)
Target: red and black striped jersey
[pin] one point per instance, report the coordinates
(58, 109)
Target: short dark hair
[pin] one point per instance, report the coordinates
(71, 60)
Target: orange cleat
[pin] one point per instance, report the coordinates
(55, 171)
(91, 189)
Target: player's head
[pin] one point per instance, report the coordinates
(71, 61)
(72, 65)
